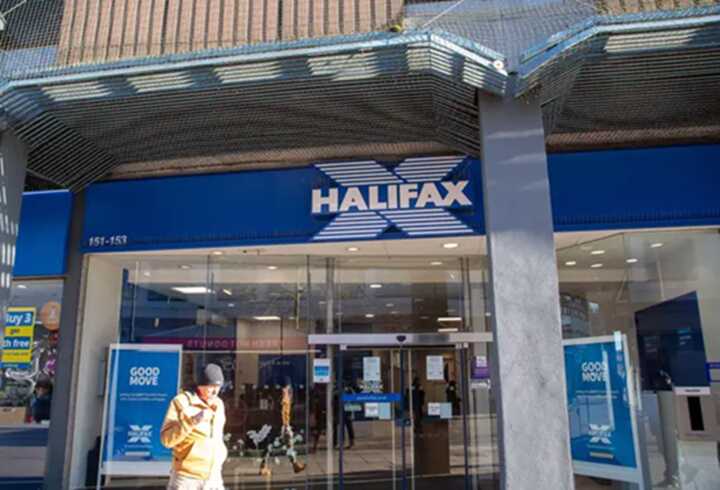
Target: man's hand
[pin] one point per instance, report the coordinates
(200, 417)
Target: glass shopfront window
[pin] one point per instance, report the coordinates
(662, 291)
(27, 377)
(253, 315)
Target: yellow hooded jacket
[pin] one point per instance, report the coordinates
(198, 449)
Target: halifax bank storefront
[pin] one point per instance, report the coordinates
(367, 287)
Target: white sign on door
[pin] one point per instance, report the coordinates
(435, 368)
(371, 369)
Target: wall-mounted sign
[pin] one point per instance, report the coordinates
(601, 404)
(480, 370)
(321, 371)
(370, 198)
(18, 338)
(142, 380)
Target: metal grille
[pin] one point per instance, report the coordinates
(130, 87)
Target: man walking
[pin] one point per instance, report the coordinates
(193, 429)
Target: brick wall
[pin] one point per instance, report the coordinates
(104, 30)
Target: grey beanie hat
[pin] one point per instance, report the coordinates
(211, 375)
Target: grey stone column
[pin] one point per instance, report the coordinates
(524, 298)
(13, 163)
(57, 464)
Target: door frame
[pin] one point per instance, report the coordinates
(402, 341)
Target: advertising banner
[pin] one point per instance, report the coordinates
(142, 380)
(18, 339)
(603, 429)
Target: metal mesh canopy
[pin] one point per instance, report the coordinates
(138, 87)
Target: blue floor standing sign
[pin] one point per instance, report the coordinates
(601, 405)
(142, 379)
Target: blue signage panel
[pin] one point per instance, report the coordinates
(372, 397)
(635, 188)
(326, 202)
(414, 198)
(142, 381)
(43, 233)
(601, 418)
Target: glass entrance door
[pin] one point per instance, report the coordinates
(400, 418)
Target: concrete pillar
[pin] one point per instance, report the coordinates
(524, 298)
(13, 162)
(57, 463)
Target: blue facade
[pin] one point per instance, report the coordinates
(606, 190)
(43, 234)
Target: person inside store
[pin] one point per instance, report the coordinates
(347, 422)
(41, 400)
(319, 414)
(452, 397)
(418, 402)
(193, 429)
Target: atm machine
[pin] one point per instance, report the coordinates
(680, 404)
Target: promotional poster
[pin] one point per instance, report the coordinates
(18, 340)
(602, 428)
(142, 380)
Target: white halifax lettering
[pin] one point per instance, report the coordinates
(144, 376)
(594, 372)
(392, 196)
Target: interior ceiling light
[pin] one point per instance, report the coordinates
(389, 305)
(22, 286)
(447, 330)
(191, 289)
(596, 266)
(369, 315)
(570, 263)
(450, 245)
(231, 305)
(449, 319)
(272, 267)
(631, 261)
(147, 274)
(352, 249)
(656, 245)
(217, 252)
(597, 252)
(436, 263)
(228, 292)
(185, 267)
(267, 318)
(375, 286)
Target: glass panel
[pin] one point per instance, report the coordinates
(373, 454)
(26, 390)
(252, 315)
(374, 295)
(249, 315)
(662, 290)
